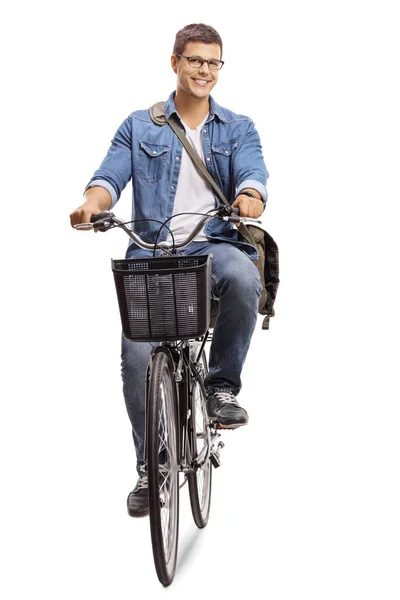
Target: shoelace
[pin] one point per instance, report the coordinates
(143, 483)
(226, 397)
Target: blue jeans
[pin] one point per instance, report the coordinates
(236, 284)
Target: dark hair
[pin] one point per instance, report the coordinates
(197, 32)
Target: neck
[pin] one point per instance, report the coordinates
(192, 111)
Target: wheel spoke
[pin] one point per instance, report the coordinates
(200, 480)
(162, 447)
(166, 474)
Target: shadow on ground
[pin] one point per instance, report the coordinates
(187, 547)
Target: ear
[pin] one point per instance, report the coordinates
(174, 63)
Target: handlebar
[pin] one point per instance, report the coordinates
(106, 220)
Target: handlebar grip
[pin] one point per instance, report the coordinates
(234, 218)
(101, 215)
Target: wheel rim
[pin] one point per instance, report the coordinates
(168, 474)
(201, 434)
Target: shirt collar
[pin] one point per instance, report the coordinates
(215, 109)
(205, 120)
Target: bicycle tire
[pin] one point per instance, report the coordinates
(200, 480)
(162, 455)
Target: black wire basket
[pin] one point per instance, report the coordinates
(163, 298)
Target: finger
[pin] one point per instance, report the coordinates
(76, 216)
(256, 210)
(250, 208)
(80, 216)
(243, 203)
(236, 204)
(72, 218)
(75, 219)
(247, 207)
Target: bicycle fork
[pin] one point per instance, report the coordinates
(184, 375)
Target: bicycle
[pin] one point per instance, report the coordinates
(167, 299)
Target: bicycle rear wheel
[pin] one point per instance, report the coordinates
(200, 479)
(162, 454)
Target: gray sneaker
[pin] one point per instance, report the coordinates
(226, 410)
(138, 499)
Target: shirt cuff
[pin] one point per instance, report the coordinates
(107, 186)
(256, 185)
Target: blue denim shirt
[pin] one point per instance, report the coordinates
(150, 155)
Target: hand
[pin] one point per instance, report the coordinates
(82, 214)
(249, 207)
(97, 200)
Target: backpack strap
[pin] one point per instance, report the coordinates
(157, 113)
(191, 150)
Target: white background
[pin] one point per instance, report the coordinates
(306, 504)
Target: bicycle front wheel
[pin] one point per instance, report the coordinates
(162, 454)
(200, 479)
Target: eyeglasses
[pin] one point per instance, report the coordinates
(196, 62)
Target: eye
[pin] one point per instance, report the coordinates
(196, 61)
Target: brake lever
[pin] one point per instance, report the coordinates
(101, 225)
(250, 220)
(83, 226)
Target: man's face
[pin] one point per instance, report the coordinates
(196, 82)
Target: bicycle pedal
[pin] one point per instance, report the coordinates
(215, 461)
(229, 427)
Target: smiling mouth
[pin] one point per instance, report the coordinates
(201, 82)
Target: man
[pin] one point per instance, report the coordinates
(166, 183)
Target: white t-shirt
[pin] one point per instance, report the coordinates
(193, 193)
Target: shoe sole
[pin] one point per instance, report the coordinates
(229, 426)
(138, 515)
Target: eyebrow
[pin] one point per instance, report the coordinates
(197, 56)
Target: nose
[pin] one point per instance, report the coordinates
(204, 68)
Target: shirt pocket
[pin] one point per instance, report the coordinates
(152, 160)
(222, 154)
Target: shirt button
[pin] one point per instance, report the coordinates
(208, 158)
(172, 187)
(154, 152)
(204, 130)
(177, 158)
(226, 152)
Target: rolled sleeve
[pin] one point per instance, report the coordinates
(107, 186)
(248, 165)
(116, 169)
(255, 185)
